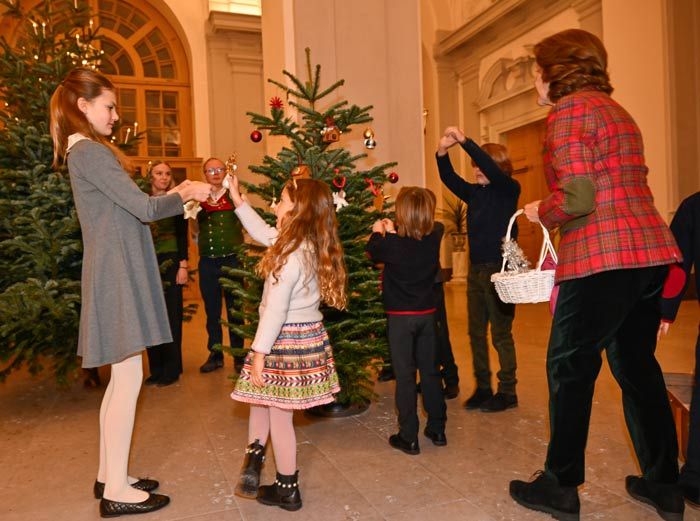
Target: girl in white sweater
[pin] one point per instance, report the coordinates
(290, 365)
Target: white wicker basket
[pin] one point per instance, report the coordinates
(531, 286)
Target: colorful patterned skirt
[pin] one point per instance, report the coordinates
(299, 372)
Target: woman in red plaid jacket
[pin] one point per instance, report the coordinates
(613, 258)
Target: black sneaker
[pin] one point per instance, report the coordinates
(545, 494)
(499, 402)
(215, 361)
(478, 398)
(667, 499)
(409, 447)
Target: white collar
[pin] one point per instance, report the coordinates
(216, 196)
(74, 138)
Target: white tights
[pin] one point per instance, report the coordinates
(116, 426)
(278, 423)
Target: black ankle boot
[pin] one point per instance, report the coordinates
(283, 493)
(249, 481)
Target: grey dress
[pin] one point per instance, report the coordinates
(123, 309)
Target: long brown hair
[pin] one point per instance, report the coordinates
(572, 60)
(415, 212)
(312, 221)
(67, 119)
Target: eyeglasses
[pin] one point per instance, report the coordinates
(218, 170)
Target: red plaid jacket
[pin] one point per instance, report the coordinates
(600, 200)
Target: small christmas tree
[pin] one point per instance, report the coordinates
(357, 334)
(40, 246)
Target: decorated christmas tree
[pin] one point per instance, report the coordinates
(315, 130)
(40, 246)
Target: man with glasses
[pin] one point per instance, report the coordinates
(219, 234)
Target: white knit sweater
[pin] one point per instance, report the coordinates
(293, 298)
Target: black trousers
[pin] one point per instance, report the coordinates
(690, 473)
(617, 311)
(209, 285)
(165, 360)
(412, 346)
(445, 357)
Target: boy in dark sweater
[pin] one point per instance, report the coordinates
(411, 255)
(491, 201)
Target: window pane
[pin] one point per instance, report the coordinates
(163, 54)
(153, 99)
(170, 119)
(125, 30)
(167, 71)
(126, 68)
(153, 119)
(170, 100)
(107, 22)
(155, 37)
(154, 151)
(172, 151)
(143, 49)
(154, 137)
(150, 70)
(107, 67)
(127, 97)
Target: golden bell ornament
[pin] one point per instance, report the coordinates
(368, 133)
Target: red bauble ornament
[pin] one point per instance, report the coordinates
(255, 136)
(393, 177)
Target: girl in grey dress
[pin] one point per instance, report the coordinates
(122, 305)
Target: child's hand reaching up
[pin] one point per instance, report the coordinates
(388, 225)
(378, 227)
(235, 192)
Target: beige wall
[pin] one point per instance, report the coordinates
(634, 33)
(684, 73)
(374, 45)
(235, 72)
(189, 18)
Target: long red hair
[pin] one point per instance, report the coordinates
(311, 221)
(66, 117)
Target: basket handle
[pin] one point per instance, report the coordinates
(547, 245)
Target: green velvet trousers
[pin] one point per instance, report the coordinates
(617, 311)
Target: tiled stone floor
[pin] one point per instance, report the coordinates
(191, 436)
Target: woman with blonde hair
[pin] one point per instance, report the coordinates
(170, 241)
(122, 306)
(290, 365)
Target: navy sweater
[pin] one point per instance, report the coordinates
(489, 207)
(410, 268)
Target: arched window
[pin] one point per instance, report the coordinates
(146, 61)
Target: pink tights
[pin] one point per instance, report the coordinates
(279, 425)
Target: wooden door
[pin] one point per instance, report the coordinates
(525, 146)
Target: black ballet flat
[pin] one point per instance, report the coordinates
(109, 508)
(145, 484)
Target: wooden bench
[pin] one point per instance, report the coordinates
(680, 389)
